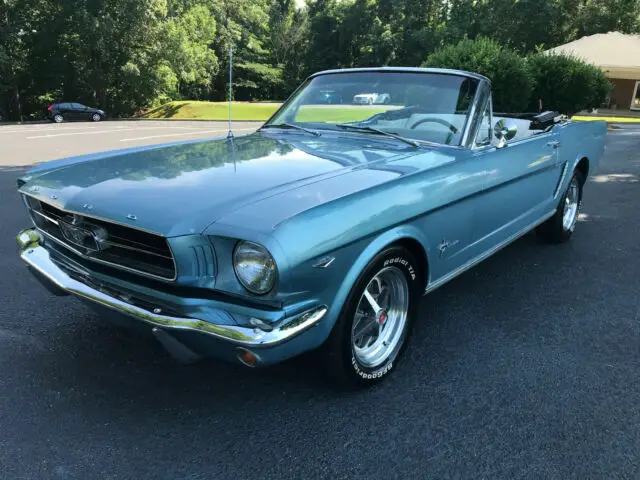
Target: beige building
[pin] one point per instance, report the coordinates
(618, 55)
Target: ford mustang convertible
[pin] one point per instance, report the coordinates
(319, 232)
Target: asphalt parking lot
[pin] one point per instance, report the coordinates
(528, 366)
(28, 144)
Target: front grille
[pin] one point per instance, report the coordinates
(105, 242)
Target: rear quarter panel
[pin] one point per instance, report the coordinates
(580, 140)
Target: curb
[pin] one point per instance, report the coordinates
(29, 122)
(35, 122)
(184, 120)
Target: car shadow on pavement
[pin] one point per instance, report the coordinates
(98, 361)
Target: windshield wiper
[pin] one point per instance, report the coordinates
(290, 126)
(348, 126)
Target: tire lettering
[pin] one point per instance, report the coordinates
(402, 262)
(374, 375)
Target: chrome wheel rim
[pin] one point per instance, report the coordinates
(96, 117)
(572, 199)
(380, 318)
(58, 118)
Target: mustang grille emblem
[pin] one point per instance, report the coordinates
(90, 237)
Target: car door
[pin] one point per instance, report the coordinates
(64, 109)
(79, 111)
(519, 183)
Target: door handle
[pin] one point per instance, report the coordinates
(554, 144)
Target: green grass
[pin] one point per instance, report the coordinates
(334, 114)
(606, 119)
(191, 110)
(212, 111)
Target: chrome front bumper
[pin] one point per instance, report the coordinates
(38, 258)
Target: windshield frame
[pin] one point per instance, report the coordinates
(471, 123)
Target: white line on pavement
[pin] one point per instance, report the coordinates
(184, 134)
(119, 129)
(42, 129)
(74, 133)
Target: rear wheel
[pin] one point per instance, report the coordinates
(58, 118)
(373, 327)
(560, 227)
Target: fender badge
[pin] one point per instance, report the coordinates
(324, 263)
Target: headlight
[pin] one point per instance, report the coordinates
(254, 267)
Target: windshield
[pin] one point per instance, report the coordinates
(430, 107)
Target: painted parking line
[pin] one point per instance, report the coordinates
(110, 130)
(115, 130)
(51, 135)
(42, 129)
(185, 134)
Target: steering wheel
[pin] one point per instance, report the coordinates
(452, 128)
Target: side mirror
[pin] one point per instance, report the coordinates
(504, 131)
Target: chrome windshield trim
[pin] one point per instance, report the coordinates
(111, 264)
(470, 126)
(38, 258)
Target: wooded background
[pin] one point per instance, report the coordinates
(127, 55)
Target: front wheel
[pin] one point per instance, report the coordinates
(560, 227)
(96, 117)
(372, 330)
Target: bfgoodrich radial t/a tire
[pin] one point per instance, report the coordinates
(368, 339)
(560, 227)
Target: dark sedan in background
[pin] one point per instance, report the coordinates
(66, 111)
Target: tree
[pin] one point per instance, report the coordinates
(508, 71)
(185, 42)
(287, 43)
(19, 21)
(566, 84)
(243, 25)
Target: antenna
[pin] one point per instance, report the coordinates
(230, 134)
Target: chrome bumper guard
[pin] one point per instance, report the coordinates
(38, 258)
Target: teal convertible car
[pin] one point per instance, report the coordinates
(320, 231)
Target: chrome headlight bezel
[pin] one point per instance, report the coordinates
(262, 259)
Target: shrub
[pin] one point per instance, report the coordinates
(510, 77)
(566, 84)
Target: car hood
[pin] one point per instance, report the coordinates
(181, 188)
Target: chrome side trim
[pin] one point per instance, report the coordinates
(110, 264)
(474, 261)
(38, 258)
(562, 177)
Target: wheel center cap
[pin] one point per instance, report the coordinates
(382, 317)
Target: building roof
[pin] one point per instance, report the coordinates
(612, 50)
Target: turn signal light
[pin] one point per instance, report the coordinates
(247, 358)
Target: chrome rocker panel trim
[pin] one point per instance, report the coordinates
(474, 261)
(38, 258)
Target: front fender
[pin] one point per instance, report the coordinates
(374, 246)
